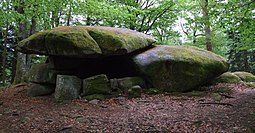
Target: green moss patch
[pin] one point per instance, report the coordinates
(85, 41)
(245, 76)
(228, 77)
(179, 68)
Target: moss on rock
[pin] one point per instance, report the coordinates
(34, 44)
(245, 76)
(116, 40)
(42, 73)
(85, 41)
(228, 77)
(179, 68)
(98, 84)
(134, 91)
(73, 41)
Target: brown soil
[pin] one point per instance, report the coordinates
(215, 110)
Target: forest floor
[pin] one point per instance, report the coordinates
(221, 108)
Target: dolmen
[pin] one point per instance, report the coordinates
(99, 62)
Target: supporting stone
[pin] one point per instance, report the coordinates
(98, 84)
(39, 90)
(67, 87)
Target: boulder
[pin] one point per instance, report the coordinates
(39, 90)
(179, 68)
(134, 91)
(42, 73)
(67, 87)
(98, 84)
(126, 83)
(85, 41)
(228, 77)
(245, 76)
(250, 84)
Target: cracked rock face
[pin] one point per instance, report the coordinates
(85, 42)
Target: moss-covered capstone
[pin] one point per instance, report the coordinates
(245, 76)
(179, 68)
(228, 77)
(85, 41)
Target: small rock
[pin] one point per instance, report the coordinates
(66, 127)
(49, 120)
(135, 91)
(95, 101)
(128, 82)
(81, 120)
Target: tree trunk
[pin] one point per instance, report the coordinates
(205, 12)
(23, 60)
(14, 64)
(246, 61)
(69, 14)
(4, 55)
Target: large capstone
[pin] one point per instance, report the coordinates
(179, 68)
(85, 41)
(67, 87)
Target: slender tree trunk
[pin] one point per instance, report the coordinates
(4, 55)
(205, 12)
(23, 60)
(14, 64)
(88, 21)
(194, 38)
(69, 14)
(246, 61)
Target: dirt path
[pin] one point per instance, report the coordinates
(216, 110)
